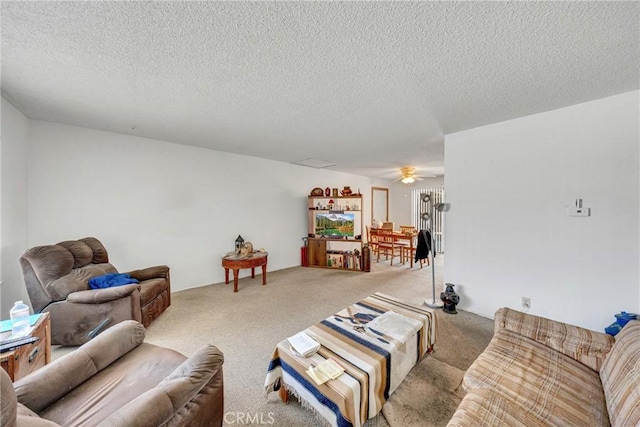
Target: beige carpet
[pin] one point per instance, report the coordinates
(248, 324)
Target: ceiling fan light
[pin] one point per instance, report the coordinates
(407, 180)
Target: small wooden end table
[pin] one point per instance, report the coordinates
(236, 262)
(29, 357)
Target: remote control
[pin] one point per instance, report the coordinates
(13, 343)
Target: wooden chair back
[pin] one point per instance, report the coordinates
(385, 236)
(372, 238)
(387, 244)
(387, 225)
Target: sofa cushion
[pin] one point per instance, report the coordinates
(77, 280)
(42, 387)
(24, 411)
(81, 252)
(8, 400)
(100, 255)
(544, 383)
(620, 376)
(484, 407)
(138, 371)
(584, 345)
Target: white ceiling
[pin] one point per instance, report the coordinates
(370, 86)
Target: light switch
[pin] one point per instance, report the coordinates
(579, 211)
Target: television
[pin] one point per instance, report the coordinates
(331, 224)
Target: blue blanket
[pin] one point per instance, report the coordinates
(110, 280)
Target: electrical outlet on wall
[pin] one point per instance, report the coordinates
(526, 303)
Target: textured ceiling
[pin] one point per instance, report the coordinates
(369, 86)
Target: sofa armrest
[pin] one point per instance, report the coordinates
(50, 383)
(99, 296)
(157, 272)
(156, 406)
(587, 347)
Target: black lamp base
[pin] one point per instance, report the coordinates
(450, 308)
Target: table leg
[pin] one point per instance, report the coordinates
(235, 279)
(226, 276)
(253, 272)
(283, 393)
(264, 274)
(411, 253)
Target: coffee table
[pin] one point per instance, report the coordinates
(375, 363)
(236, 262)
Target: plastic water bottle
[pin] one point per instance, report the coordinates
(20, 325)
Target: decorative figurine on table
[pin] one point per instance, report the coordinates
(246, 249)
(450, 299)
(239, 243)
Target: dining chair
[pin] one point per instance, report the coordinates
(410, 250)
(387, 244)
(372, 238)
(387, 225)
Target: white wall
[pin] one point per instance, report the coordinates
(401, 210)
(13, 202)
(507, 232)
(153, 202)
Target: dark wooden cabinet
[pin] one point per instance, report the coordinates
(317, 252)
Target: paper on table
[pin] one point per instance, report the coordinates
(326, 370)
(303, 344)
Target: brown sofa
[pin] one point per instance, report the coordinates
(57, 280)
(118, 380)
(540, 372)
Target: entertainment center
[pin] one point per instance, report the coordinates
(335, 232)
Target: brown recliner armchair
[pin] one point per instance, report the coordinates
(118, 380)
(57, 280)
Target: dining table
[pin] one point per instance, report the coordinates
(401, 237)
(410, 238)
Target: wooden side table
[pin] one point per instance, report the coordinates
(236, 262)
(27, 358)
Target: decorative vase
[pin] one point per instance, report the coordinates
(327, 192)
(450, 299)
(346, 191)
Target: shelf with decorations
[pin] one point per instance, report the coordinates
(335, 231)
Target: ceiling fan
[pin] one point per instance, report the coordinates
(408, 175)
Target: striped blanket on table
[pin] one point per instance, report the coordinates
(375, 358)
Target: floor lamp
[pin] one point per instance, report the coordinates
(429, 216)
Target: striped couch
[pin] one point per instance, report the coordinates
(540, 372)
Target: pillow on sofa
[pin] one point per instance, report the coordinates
(111, 280)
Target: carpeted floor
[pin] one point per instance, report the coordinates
(431, 392)
(248, 324)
